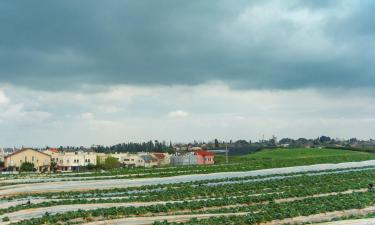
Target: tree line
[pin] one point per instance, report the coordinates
(150, 146)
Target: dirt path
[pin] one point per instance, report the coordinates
(323, 216)
(27, 180)
(4, 205)
(369, 221)
(118, 183)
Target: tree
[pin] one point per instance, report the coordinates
(216, 143)
(111, 163)
(27, 167)
(324, 139)
(53, 166)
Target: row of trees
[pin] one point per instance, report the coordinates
(163, 146)
(150, 146)
(326, 141)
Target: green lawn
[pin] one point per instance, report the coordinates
(298, 156)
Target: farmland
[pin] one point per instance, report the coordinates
(274, 158)
(277, 186)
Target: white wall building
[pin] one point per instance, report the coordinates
(67, 161)
(140, 159)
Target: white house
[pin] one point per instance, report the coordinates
(68, 161)
(141, 159)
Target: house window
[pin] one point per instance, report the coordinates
(32, 158)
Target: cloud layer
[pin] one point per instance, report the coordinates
(180, 113)
(102, 72)
(247, 44)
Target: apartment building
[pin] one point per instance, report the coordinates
(71, 160)
(40, 160)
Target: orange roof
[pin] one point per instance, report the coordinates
(159, 155)
(55, 150)
(204, 153)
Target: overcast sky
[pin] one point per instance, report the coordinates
(102, 72)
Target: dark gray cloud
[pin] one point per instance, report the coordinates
(261, 44)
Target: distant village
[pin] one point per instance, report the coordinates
(152, 154)
(53, 159)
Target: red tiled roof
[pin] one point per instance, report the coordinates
(55, 150)
(159, 155)
(204, 153)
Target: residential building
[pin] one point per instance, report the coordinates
(40, 160)
(101, 157)
(162, 158)
(141, 159)
(53, 152)
(184, 159)
(71, 160)
(200, 157)
(127, 159)
(149, 160)
(2, 155)
(205, 157)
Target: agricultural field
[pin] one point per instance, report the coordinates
(265, 159)
(295, 189)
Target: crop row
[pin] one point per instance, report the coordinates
(215, 181)
(267, 190)
(277, 211)
(271, 180)
(257, 213)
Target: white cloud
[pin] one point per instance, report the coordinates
(178, 114)
(3, 98)
(209, 111)
(86, 116)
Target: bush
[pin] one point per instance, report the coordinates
(6, 219)
(111, 163)
(27, 167)
(90, 167)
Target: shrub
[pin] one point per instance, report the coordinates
(27, 167)
(111, 163)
